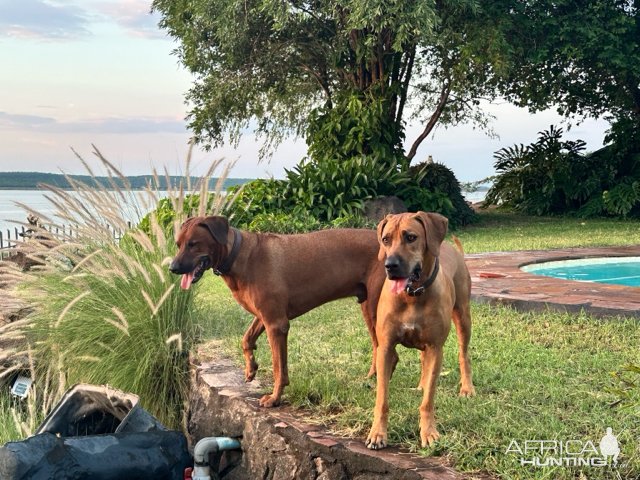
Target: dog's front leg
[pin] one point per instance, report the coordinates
(431, 359)
(277, 332)
(248, 346)
(377, 438)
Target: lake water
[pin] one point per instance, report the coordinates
(10, 213)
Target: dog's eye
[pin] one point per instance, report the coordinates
(385, 240)
(191, 244)
(411, 237)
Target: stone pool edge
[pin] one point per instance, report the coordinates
(498, 280)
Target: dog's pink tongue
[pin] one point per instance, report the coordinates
(398, 286)
(185, 283)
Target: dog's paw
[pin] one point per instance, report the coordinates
(467, 391)
(250, 371)
(428, 436)
(268, 401)
(376, 440)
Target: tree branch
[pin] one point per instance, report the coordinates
(322, 81)
(404, 91)
(442, 102)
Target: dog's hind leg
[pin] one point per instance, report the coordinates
(248, 346)
(462, 321)
(369, 314)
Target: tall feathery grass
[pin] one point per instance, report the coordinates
(105, 307)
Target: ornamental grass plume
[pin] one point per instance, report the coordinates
(105, 307)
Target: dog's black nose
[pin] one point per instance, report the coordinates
(392, 264)
(174, 267)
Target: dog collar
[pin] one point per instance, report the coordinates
(224, 267)
(414, 292)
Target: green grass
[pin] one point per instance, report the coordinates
(18, 418)
(498, 231)
(538, 376)
(10, 426)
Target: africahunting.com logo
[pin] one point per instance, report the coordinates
(566, 453)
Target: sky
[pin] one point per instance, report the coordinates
(77, 73)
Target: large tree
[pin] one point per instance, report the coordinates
(344, 71)
(581, 56)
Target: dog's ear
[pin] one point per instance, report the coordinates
(435, 228)
(219, 228)
(381, 225)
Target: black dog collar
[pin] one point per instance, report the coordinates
(414, 292)
(225, 267)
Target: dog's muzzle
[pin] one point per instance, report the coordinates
(190, 274)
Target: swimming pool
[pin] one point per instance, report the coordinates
(614, 270)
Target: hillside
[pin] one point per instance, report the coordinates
(31, 180)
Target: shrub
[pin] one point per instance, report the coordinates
(336, 188)
(283, 223)
(356, 124)
(551, 176)
(435, 188)
(255, 198)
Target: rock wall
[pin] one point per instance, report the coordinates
(277, 444)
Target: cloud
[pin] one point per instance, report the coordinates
(9, 120)
(111, 125)
(134, 16)
(127, 125)
(42, 19)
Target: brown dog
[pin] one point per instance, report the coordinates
(280, 277)
(427, 283)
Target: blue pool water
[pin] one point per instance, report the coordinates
(619, 271)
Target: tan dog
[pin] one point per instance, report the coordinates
(427, 283)
(280, 277)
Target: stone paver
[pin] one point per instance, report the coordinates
(497, 279)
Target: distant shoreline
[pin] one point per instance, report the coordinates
(32, 180)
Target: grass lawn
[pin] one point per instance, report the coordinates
(537, 376)
(498, 231)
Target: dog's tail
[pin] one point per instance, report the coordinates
(458, 243)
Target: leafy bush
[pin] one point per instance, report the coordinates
(303, 222)
(436, 189)
(283, 223)
(551, 176)
(351, 160)
(335, 188)
(165, 211)
(255, 198)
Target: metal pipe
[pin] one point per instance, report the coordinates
(203, 448)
